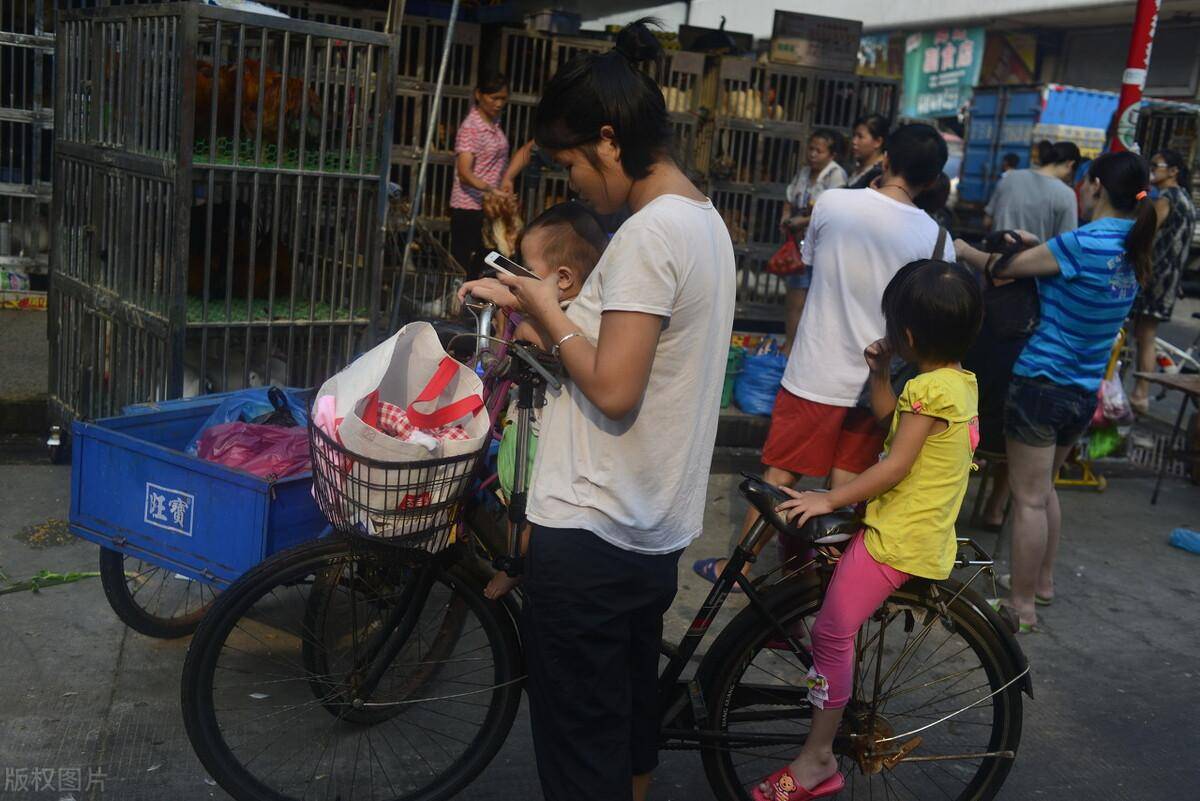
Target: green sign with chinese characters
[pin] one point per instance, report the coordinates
(940, 67)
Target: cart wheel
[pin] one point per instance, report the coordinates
(57, 448)
(153, 600)
(1101, 483)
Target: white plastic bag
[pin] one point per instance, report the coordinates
(410, 370)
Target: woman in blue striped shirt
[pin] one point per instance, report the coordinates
(1087, 281)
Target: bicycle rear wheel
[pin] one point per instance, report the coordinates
(915, 665)
(153, 600)
(275, 685)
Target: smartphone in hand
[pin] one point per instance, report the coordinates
(505, 265)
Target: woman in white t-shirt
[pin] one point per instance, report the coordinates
(623, 458)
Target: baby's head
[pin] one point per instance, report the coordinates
(564, 241)
(933, 311)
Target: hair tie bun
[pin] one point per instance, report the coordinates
(1140, 195)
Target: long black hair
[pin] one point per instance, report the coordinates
(1172, 158)
(598, 89)
(939, 304)
(876, 125)
(1125, 177)
(917, 153)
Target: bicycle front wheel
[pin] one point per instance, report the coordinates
(345, 669)
(935, 713)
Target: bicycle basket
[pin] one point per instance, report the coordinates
(414, 503)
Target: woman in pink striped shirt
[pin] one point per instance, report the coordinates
(480, 156)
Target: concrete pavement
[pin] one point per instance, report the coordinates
(1115, 671)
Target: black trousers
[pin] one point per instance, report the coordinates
(466, 239)
(592, 628)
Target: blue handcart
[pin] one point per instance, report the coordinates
(174, 529)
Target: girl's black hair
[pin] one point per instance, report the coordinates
(917, 153)
(491, 82)
(1172, 158)
(939, 304)
(1125, 177)
(598, 89)
(1063, 152)
(876, 125)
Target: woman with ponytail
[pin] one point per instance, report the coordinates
(1176, 222)
(626, 445)
(1087, 281)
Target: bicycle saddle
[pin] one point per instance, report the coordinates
(836, 527)
(829, 529)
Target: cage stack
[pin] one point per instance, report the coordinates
(422, 40)
(26, 145)
(681, 77)
(221, 197)
(879, 96)
(763, 113)
(530, 59)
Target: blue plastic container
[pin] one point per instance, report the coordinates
(1003, 120)
(134, 490)
(1186, 539)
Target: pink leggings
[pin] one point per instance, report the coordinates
(859, 586)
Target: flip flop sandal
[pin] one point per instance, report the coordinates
(707, 570)
(1009, 615)
(782, 786)
(1005, 581)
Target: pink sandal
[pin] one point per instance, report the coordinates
(784, 787)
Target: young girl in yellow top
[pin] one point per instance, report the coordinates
(933, 312)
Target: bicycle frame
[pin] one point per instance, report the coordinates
(683, 709)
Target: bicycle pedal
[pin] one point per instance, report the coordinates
(895, 759)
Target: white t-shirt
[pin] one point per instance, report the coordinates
(857, 241)
(639, 482)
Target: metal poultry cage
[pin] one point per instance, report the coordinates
(221, 200)
(26, 140)
(429, 287)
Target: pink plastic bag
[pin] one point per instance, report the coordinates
(262, 450)
(1112, 407)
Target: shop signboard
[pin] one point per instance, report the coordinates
(808, 40)
(940, 67)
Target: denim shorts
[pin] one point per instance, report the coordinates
(800, 281)
(1041, 413)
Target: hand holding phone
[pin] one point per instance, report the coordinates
(505, 265)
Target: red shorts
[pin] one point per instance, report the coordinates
(811, 439)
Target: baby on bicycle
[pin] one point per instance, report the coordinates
(933, 311)
(563, 244)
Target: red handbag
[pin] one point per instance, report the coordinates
(786, 260)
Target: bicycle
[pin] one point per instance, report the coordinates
(360, 668)
(1169, 358)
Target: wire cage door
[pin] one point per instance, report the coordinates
(222, 198)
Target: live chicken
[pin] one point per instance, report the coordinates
(225, 81)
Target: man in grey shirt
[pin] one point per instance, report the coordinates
(1037, 200)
